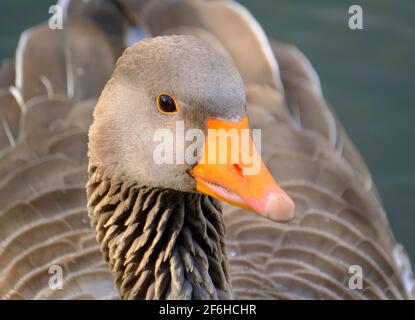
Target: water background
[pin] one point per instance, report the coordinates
(368, 76)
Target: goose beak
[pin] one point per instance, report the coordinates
(231, 170)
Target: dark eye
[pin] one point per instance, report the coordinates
(166, 104)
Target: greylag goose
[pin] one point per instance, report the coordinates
(160, 228)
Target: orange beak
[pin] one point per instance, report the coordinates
(231, 170)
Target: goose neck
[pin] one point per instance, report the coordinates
(159, 243)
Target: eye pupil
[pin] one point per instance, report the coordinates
(167, 104)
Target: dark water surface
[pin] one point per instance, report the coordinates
(366, 75)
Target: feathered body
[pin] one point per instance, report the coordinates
(46, 105)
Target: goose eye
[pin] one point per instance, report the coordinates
(166, 104)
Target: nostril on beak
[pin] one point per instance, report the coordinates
(237, 168)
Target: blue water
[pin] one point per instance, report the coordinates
(367, 76)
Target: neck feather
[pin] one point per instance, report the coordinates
(159, 243)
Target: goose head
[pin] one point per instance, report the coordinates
(154, 121)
